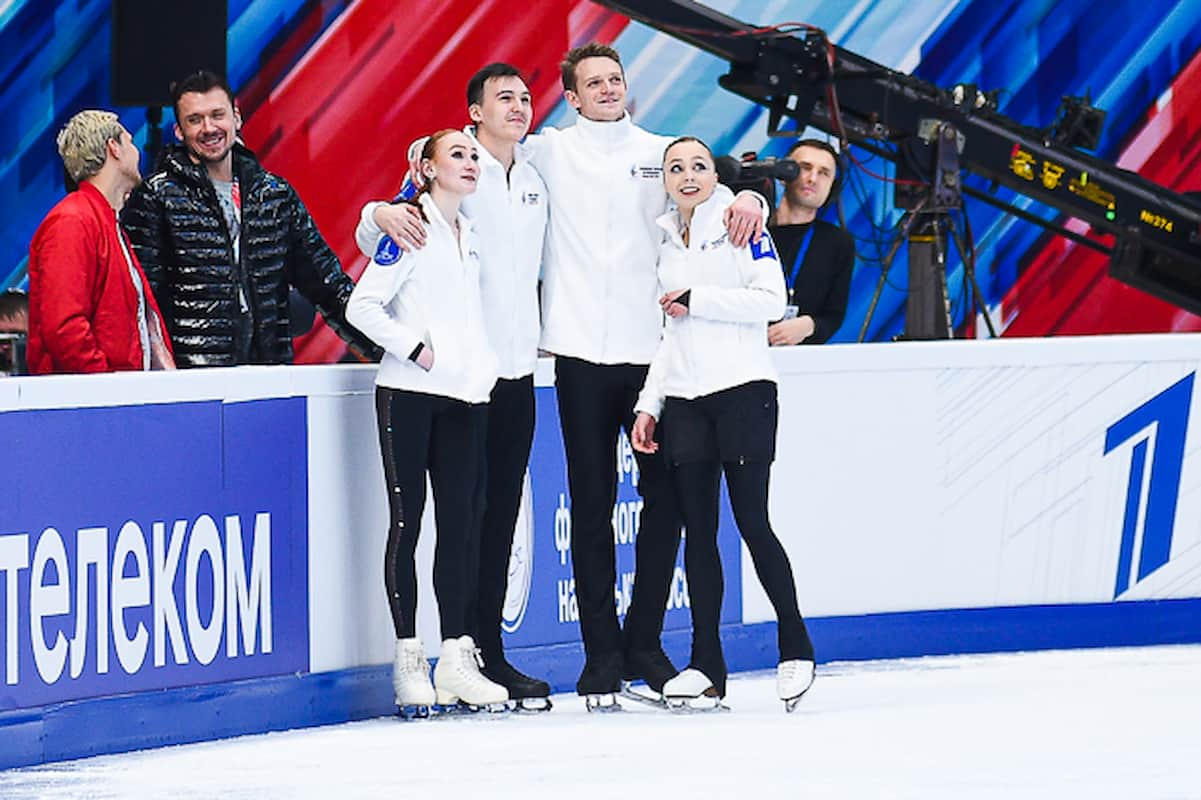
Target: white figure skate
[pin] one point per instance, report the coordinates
(411, 679)
(457, 678)
(692, 690)
(793, 679)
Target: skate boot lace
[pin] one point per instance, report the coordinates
(415, 662)
(471, 663)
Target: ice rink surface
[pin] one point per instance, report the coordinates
(1116, 723)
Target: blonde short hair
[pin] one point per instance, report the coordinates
(83, 142)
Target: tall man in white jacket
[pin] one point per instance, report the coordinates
(604, 175)
(508, 212)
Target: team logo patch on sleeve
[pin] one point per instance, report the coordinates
(764, 248)
(387, 252)
(407, 191)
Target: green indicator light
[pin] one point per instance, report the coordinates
(1109, 215)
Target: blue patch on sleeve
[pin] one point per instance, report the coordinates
(387, 252)
(764, 248)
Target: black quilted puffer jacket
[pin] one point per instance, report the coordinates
(179, 233)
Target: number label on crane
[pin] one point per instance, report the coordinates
(1155, 220)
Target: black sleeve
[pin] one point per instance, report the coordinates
(143, 219)
(317, 274)
(830, 313)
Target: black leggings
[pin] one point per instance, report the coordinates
(697, 481)
(419, 433)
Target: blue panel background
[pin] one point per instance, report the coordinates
(206, 458)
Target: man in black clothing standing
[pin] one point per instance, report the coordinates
(816, 256)
(222, 241)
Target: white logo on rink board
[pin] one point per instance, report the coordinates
(521, 565)
(127, 593)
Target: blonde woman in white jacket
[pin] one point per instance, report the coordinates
(713, 385)
(432, 392)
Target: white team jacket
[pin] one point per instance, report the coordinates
(605, 182)
(430, 296)
(722, 341)
(509, 218)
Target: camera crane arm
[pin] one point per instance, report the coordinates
(804, 77)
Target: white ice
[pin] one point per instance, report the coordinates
(1117, 723)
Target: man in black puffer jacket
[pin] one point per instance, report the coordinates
(222, 240)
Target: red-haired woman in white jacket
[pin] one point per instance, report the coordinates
(432, 391)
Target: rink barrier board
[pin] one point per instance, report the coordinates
(95, 726)
(1053, 521)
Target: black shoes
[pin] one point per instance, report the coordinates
(652, 666)
(601, 675)
(520, 685)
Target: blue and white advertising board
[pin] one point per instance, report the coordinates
(150, 547)
(210, 562)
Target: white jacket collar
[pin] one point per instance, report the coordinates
(521, 153)
(434, 215)
(605, 134)
(706, 218)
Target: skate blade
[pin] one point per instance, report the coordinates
(414, 712)
(602, 703)
(532, 705)
(644, 697)
(695, 705)
(791, 703)
(463, 709)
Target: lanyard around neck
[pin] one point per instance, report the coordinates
(800, 257)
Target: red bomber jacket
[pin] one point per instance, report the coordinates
(82, 304)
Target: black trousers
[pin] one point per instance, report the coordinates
(507, 454)
(422, 433)
(595, 402)
(732, 432)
